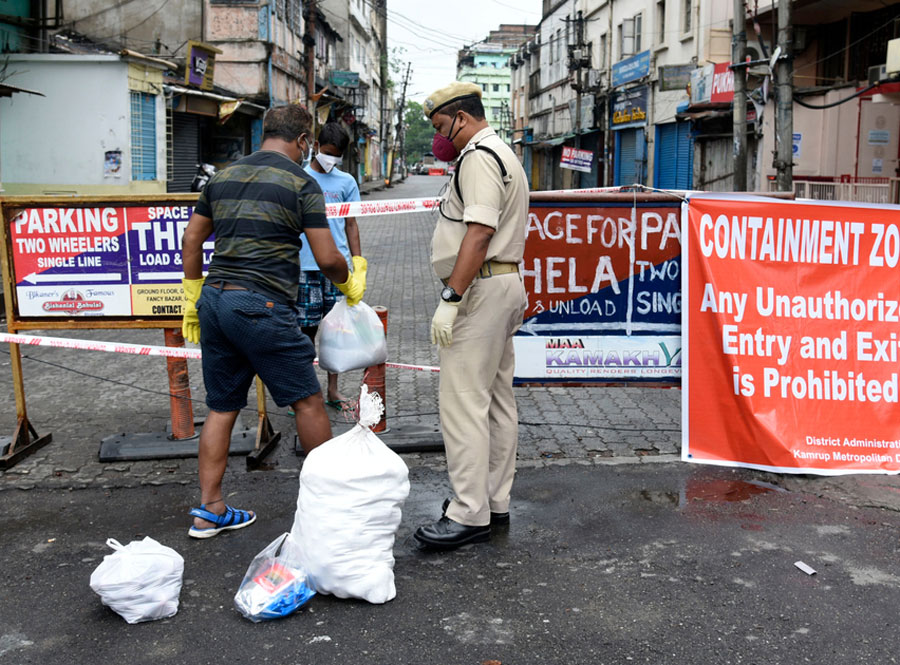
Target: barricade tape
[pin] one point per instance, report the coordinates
(141, 349)
(401, 206)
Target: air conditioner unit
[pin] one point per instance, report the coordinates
(877, 73)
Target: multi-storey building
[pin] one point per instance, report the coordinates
(487, 65)
(359, 86)
(657, 75)
(196, 78)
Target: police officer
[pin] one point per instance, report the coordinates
(477, 246)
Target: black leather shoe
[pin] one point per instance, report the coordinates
(497, 519)
(445, 534)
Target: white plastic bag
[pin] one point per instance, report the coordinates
(275, 584)
(348, 510)
(351, 338)
(140, 581)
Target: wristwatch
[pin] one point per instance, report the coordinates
(449, 295)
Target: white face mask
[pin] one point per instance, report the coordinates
(328, 162)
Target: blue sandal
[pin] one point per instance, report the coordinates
(230, 519)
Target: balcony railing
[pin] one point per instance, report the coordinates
(846, 188)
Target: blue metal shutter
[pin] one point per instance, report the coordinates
(626, 157)
(674, 156)
(143, 136)
(685, 157)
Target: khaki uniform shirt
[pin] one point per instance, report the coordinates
(487, 200)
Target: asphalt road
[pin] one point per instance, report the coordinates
(665, 563)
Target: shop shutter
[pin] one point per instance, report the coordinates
(674, 156)
(185, 151)
(685, 156)
(626, 157)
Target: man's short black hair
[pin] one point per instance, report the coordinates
(471, 105)
(286, 122)
(333, 134)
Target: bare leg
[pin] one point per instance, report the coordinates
(313, 426)
(212, 458)
(334, 394)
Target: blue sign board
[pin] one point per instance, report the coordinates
(631, 69)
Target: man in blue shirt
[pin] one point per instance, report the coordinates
(317, 294)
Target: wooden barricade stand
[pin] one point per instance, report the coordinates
(182, 441)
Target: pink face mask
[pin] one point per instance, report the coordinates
(443, 147)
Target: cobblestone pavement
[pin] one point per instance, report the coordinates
(82, 397)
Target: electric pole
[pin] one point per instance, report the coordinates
(784, 113)
(576, 63)
(400, 131)
(739, 46)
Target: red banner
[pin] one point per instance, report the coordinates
(792, 335)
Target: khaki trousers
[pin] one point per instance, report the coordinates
(477, 405)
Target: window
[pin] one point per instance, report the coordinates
(602, 56)
(496, 87)
(143, 136)
(559, 45)
(507, 87)
(661, 22)
(630, 36)
(686, 16)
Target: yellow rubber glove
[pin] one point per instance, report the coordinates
(442, 323)
(360, 266)
(353, 288)
(190, 325)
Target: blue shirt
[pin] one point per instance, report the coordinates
(338, 187)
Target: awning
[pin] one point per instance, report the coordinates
(10, 90)
(227, 105)
(702, 115)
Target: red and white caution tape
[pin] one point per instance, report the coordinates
(94, 345)
(401, 206)
(369, 208)
(140, 349)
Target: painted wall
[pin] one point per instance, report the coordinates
(56, 143)
(137, 25)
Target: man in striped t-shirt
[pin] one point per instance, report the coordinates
(244, 314)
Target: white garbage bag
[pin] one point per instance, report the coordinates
(352, 489)
(140, 581)
(351, 338)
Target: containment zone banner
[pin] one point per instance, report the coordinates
(791, 335)
(103, 261)
(604, 299)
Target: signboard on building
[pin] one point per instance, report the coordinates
(790, 335)
(344, 79)
(104, 261)
(674, 77)
(701, 84)
(631, 69)
(629, 108)
(603, 283)
(722, 90)
(576, 160)
(199, 66)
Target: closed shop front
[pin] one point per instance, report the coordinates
(628, 121)
(674, 157)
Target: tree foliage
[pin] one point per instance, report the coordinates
(419, 133)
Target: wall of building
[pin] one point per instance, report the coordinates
(40, 153)
(137, 25)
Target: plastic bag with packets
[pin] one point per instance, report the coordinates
(275, 584)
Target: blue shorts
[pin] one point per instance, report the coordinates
(243, 333)
(316, 296)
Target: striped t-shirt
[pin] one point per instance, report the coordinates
(259, 206)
